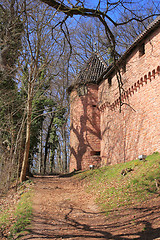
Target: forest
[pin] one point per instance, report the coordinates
(43, 46)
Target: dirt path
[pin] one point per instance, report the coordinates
(62, 210)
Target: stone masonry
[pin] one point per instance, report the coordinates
(100, 133)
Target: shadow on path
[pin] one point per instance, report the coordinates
(64, 211)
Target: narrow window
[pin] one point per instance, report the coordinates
(141, 50)
(110, 81)
(95, 153)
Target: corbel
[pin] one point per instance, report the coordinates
(127, 93)
(132, 89)
(149, 76)
(158, 70)
(118, 100)
(135, 87)
(113, 105)
(138, 84)
(124, 95)
(153, 73)
(145, 79)
(141, 81)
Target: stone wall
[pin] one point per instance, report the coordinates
(136, 130)
(84, 129)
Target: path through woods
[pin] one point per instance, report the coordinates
(63, 210)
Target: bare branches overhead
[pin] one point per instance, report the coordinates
(79, 9)
(107, 12)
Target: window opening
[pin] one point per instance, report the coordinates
(141, 50)
(110, 81)
(95, 153)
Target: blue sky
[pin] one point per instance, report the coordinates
(133, 5)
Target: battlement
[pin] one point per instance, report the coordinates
(102, 134)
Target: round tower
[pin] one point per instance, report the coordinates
(85, 134)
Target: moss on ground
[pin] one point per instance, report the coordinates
(15, 218)
(112, 189)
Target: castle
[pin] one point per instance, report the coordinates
(102, 132)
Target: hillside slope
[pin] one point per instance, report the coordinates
(128, 204)
(124, 184)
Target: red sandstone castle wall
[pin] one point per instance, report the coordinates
(84, 129)
(136, 130)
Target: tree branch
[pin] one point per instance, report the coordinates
(88, 12)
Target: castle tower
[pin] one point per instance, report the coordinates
(85, 116)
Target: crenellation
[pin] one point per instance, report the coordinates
(97, 125)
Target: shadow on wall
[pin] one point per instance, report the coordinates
(122, 135)
(86, 131)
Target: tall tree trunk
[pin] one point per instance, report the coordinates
(25, 163)
(59, 160)
(52, 163)
(41, 153)
(65, 164)
(46, 144)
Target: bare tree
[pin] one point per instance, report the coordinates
(102, 12)
(57, 40)
(36, 57)
(109, 14)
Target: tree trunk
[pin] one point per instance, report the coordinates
(59, 160)
(65, 164)
(41, 153)
(52, 163)
(25, 163)
(46, 144)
